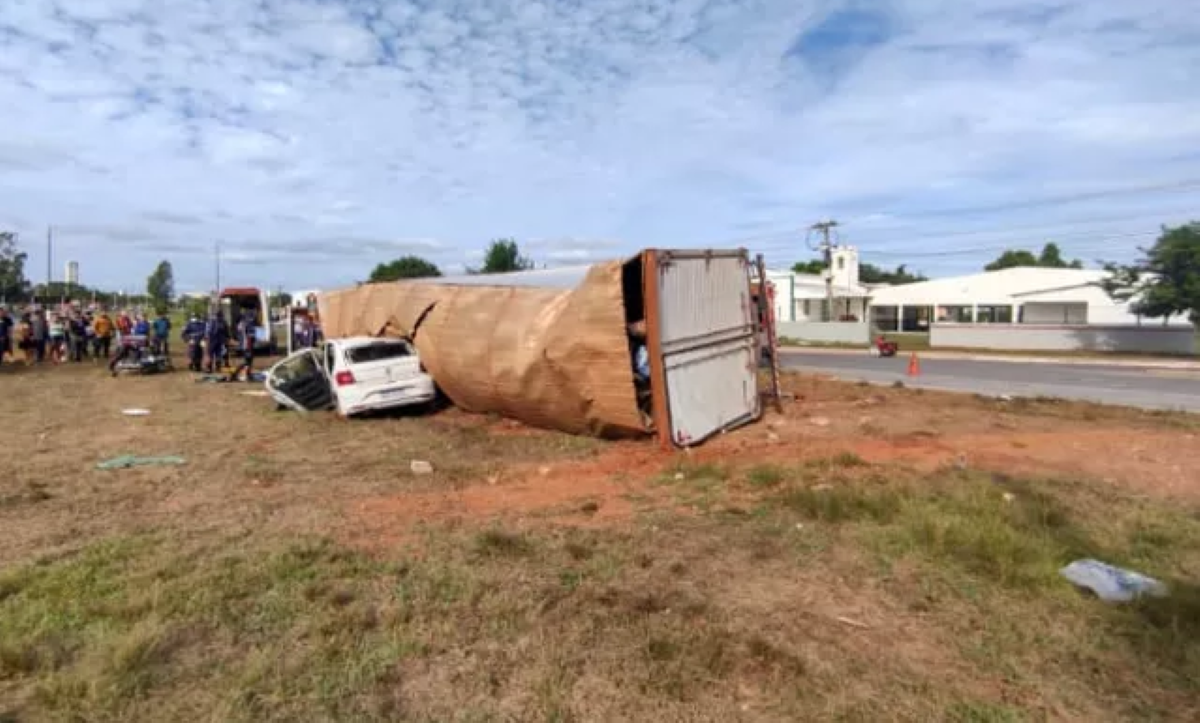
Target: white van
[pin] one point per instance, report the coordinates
(353, 375)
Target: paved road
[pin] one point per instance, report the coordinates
(1124, 385)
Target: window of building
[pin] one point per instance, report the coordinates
(995, 314)
(954, 314)
(841, 263)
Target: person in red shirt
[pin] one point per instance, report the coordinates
(124, 325)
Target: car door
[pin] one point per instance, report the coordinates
(300, 381)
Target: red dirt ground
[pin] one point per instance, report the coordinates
(1141, 453)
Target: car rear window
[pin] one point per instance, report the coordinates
(377, 352)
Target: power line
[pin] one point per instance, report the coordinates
(1035, 227)
(994, 246)
(1096, 240)
(1174, 186)
(872, 229)
(1065, 199)
(987, 249)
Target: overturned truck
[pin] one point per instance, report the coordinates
(554, 348)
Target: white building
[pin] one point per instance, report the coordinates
(803, 297)
(72, 275)
(1023, 295)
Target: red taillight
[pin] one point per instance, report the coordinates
(343, 378)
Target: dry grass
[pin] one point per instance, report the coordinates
(810, 577)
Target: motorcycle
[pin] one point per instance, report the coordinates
(136, 356)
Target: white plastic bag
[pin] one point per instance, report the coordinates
(1112, 584)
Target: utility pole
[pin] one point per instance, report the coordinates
(823, 228)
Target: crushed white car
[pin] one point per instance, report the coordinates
(352, 375)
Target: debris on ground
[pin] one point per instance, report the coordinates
(136, 412)
(230, 378)
(1110, 583)
(853, 623)
(819, 421)
(128, 460)
(418, 466)
(254, 393)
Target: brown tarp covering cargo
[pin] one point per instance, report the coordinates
(548, 357)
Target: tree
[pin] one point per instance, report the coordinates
(279, 299)
(405, 267)
(1012, 259)
(815, 267)
(869, 274)
(504, 256)
(160, 287)
(1165, 281)
(13, 284)
(197, 306)
(1050, 258)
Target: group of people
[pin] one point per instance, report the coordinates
(208, 341)
(71, 335)
(37, 336)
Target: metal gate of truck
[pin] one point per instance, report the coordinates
(701, 337)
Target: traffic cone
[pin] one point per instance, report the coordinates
(914, 366)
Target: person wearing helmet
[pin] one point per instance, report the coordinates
(193, 335)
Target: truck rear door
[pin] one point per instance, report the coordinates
(702, 317)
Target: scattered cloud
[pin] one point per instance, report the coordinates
(168, 217)
(314, 138)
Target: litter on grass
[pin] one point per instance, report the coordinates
(1110, 583)
(229, 379)
(136, 412)
(254, 393)
(128, 460)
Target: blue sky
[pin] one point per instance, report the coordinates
(318, 138)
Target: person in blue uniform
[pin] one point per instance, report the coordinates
(193, 335)
(216, 335)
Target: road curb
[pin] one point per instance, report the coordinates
(1015, 359)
